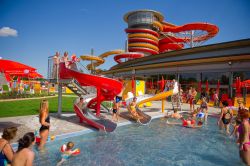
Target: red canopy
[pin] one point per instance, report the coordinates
(246, 83)
(12, 68)
(8, 65)
(207, 88)
(133, 85)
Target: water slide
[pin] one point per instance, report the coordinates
(167, 37)
(99, 60)
(94, 121)
(146, 118)
(106, 89)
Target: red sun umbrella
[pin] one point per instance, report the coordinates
(35, 75)
(238, 87)
(8, 65)
(246, 83)
(199, 86)
(151, 84)
(207, 86)
(133, 84)
(162, 83)
(12, 68)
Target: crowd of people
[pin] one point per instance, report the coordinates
(195, 119)
(71, 64)
(240, 123)
(24, 156)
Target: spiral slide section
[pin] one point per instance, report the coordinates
(143, 40)
(106, 88)
(176, 43)
(99, 60)
(128, 55)
(171, 43)
(150, 34)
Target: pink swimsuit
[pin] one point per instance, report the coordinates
(244, 145)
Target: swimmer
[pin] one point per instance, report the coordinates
(190, 123)
(67, 152)
(116, 106)
(226, 116)
(204, 108)
(235, 132)
(175, 115)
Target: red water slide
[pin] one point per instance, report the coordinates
(106, 88)
(168, 37)
(206, 31)
(127, 55)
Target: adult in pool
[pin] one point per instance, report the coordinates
(6, 151)
(225, 118)
(44, 120)
(204, 108)
(244, 138)
(24, 155)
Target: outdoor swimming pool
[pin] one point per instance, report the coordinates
(155, 145)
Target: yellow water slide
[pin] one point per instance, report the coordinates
(102, 56)
(159, 96)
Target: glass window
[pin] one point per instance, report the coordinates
(244, 75)
(189, 80)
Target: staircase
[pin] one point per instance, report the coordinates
(75, 87)
(176, 102)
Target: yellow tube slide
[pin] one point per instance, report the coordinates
(159, 96)
(146, 45)
(142, 35)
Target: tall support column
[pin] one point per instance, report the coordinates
(59, 111)
(162, 105)
(230, 84)
(98, 104)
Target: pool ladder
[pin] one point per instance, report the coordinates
(176, 102)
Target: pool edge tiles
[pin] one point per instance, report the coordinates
(86, 131)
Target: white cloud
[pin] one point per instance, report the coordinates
(7, 31)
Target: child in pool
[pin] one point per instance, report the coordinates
(67, 152)
(235, 132)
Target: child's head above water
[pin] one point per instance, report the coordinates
(70, 145)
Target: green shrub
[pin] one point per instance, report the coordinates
(5, 88)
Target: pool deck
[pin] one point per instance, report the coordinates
(68, 124)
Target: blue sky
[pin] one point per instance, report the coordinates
(46, 26)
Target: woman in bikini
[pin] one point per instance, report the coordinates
(44, 120)
(225, 118)
(6, 151)
(244, 138)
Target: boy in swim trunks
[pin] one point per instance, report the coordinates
(116, 106)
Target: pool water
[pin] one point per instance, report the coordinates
(157, 144)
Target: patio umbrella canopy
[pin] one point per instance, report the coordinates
(12, 68)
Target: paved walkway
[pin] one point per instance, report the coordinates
(68, 123)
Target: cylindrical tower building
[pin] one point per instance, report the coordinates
(143, 27)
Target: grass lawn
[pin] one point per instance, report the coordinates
(31, 107)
